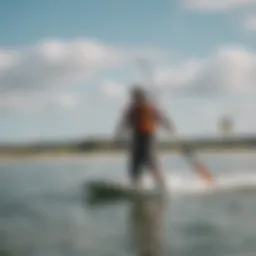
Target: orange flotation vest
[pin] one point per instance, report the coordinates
(143, 118)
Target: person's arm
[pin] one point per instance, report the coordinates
(122, 124)
(167, 123)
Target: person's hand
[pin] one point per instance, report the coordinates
(205, 174)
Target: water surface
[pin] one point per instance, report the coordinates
(43, 211)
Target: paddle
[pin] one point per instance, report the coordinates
(200, 168)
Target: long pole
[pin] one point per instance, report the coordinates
(200, 168)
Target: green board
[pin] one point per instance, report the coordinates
(102, 191)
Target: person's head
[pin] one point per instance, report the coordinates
(138, 94)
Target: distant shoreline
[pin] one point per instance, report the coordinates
(47, 156)
(98, 148)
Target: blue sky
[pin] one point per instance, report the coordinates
(65, 65)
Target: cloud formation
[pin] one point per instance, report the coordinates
(230, 70)
(250, 23)
(240, 7)
(113, 90)
(217, 5)
(29, 76)
(52, 63)
(39, 100)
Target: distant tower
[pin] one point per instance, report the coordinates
(226, 125)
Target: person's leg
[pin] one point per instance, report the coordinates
(135, 164)
(153, 163)
(136, 175)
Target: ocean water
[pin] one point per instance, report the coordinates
(43, 211)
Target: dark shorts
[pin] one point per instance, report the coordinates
(142, 153)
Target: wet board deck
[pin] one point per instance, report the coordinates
(102, 190)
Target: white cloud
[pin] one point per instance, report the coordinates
(113, 90)
(240, 7)
(68, 101)
(230, 70)
(52, 63)
(30, 76)
(8, 60)
(39, 100)
(250, 23)
(180, 75)
(217, 5)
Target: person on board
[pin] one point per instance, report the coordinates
(143, 118)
